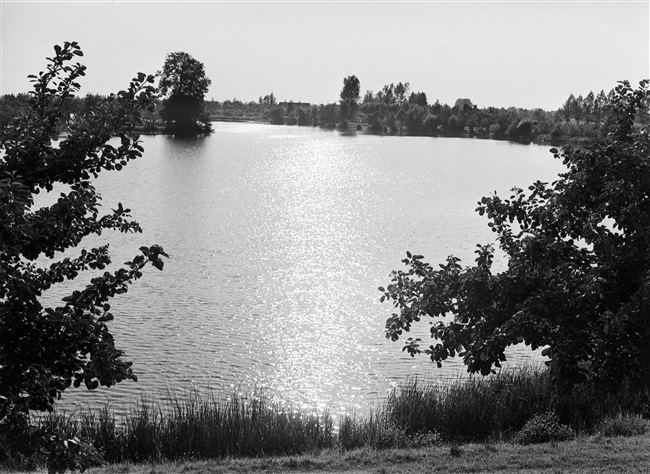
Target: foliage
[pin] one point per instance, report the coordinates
(542, 428)
(45, 350)
(184, 84)
(578, 276)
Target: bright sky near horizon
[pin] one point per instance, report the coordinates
(517, 53)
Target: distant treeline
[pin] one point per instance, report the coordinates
(396, 110)
(392, 110)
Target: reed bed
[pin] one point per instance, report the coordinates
(198, 427)
(415, 415)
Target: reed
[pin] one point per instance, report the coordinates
(417, 414)
(474, 408)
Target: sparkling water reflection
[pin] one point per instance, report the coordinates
(279, 238)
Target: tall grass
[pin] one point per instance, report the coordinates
(417, 414)
(199, 427)
(471, 409)
(478, 408)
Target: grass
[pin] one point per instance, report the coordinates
(199, 428)
(513, 405)
(588, 454)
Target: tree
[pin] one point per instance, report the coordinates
(578, 277)
(351, 90)
(267, 99)
(414, 119)
(401, 92)
(349, 98)
(184, 84)
(418, 98)
(45, 350)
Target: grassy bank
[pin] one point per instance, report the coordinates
(514, 405)
(584, 455)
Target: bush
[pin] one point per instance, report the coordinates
(543, 428)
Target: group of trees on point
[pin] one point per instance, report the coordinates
(180, 105)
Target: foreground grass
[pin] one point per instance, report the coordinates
(594, 454)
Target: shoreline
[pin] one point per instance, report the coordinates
(542, 140)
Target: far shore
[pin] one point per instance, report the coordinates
(539, 140)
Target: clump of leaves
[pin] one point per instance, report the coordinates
(542, 428)
(623, 425)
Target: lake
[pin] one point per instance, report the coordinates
(278, 238)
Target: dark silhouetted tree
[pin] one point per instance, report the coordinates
(349, 99)
(45, 350)
(183, 84)
(578, 277)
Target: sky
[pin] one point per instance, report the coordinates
(502, 54)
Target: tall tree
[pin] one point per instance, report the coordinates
(45, 350)
(578, 275)
(351, 90)
(184, 84)
(349, 98)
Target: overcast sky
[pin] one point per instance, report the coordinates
(523, 54)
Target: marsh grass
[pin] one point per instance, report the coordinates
(197, 427)
(471, 409)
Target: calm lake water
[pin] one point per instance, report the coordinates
(279, 237)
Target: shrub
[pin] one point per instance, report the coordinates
(542, 428)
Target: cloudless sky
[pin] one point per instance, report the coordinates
(502, 54)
